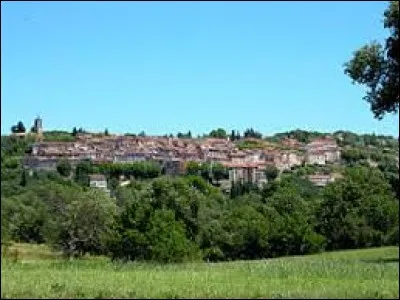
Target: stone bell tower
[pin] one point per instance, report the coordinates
(38, 127)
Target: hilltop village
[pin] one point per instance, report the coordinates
(198, 194)
(173, 154)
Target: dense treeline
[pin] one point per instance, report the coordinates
(302, 136)
(174, 219)
(185, 218)
(211, 172)
(113, 171)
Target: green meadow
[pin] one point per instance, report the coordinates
(34, 271)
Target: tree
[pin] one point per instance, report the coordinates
(187, 135)
(160, 219)
(106, 133)
(74, 131)
(82, 171)
(353, 155)
(168, 239)
(242, 188)
(390, 171)
(247, 236)
(219, 172)
(64, 167)
(5, 220)
(377, 67)
(86, 224)
(271, 172)
(218, 133)
(238, 137)
(129, 241)
(251, 133)
(192, 168)
(113, 184)
(21, 127)
(24, 179)
(23, 217)
(233, 135)
(292, 213)
(358, 210)
(130, 134)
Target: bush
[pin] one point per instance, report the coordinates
(64, 167)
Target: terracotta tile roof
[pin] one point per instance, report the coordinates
(219, 150)
(241, 165)
(97, 177)
(319, 176)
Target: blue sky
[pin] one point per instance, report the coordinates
(165, 67)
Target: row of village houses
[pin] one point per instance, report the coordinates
(173, 153)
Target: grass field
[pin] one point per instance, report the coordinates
(37, 273)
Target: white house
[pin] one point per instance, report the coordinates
(98, 181)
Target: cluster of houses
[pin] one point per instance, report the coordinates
(173, 153)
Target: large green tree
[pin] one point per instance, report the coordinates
(358, 210)
(168, 239)
(84, 225)
(23, 218)
(218, 133)
(377, 67)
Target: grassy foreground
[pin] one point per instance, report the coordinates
(370, 273)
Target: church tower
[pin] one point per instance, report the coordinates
(38, 127)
